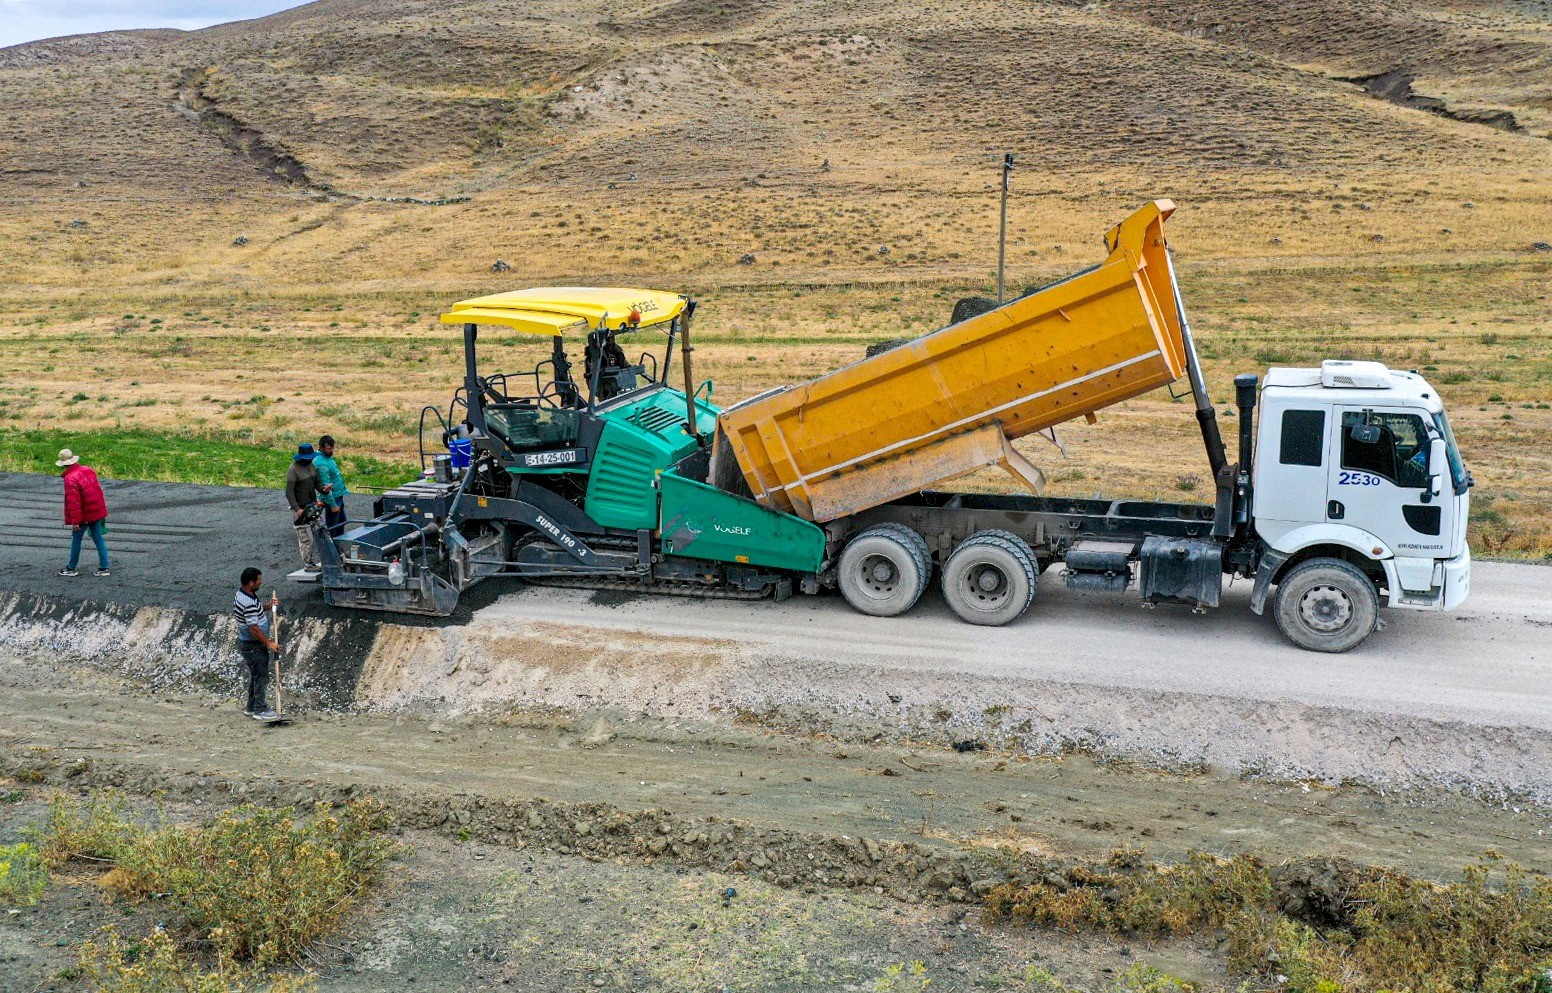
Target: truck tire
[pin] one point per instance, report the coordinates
(990, 578)
(884, 570)
(1326, 605)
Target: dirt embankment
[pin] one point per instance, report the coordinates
(910, 871)
(611, 784)
(551, 651)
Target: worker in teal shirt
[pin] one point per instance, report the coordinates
(331, 487)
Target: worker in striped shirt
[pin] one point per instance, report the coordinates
(254, 642)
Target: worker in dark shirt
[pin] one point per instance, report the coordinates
(254, 643)
(302, 496)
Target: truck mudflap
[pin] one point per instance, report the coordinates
(1271, 561)
(1181, 570)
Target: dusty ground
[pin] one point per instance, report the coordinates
(247, 233)
(469, 915)
(532, 867)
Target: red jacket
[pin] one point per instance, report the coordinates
(84, 501)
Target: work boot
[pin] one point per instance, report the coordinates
(67, 571)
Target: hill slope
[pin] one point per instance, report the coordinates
(646, 139)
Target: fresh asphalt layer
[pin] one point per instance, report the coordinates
(171, 544)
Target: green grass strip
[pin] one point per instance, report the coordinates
(182, 459)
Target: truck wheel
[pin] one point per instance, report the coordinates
(990, 578)
(1326, 605)
(884, 570)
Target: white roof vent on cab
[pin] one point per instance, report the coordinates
(1354, 375)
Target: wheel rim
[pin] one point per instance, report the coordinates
(880, 576)
(985, 586)
(1326, 609)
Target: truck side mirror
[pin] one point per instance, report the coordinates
(1437, 460)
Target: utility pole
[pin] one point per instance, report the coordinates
(1002, 236)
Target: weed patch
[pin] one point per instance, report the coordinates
(263, 883)
(92, 830)
(1322, 927)
(157, 965)
(260, 885)
(23, 874)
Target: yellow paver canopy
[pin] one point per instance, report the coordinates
(552, 310)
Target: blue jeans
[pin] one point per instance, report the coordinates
(334, 518)
(95, 529)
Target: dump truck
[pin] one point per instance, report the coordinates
(1348, 493)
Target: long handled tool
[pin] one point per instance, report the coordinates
(274, 656)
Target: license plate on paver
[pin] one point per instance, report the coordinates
(564, 456)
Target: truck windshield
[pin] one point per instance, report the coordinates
(1457, 467)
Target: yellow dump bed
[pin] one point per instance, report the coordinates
(948, 402)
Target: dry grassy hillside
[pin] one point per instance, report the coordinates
(665, 139)
(279, 207)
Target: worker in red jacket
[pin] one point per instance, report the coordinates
(86, 511)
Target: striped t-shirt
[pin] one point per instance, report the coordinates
(246, 611)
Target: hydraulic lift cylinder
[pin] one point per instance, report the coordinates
(1206, 414)
(1245, 399)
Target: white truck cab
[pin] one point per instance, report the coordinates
(1356, 475)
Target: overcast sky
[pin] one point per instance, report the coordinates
(29, 20)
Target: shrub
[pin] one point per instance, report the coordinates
(23, 874)
(270, 883)
(1122, 895)
(261, 884)
(94, 830)
(903, 976)
(1147, 979)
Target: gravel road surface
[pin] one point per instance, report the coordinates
(1489, 663)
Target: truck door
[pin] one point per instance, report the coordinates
(1381, 481)
(1292, 466)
